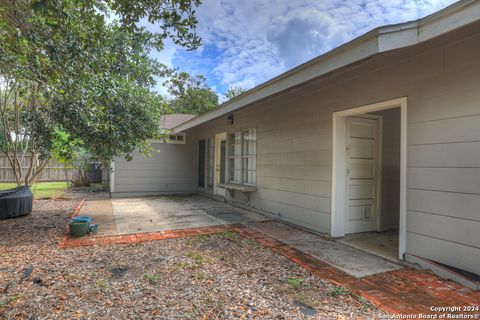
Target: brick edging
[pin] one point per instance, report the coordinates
(74, 213)
(146, 236)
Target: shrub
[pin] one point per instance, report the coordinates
(81, 179)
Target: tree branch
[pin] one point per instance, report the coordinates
(38, 171)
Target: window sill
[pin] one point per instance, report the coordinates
(243, 188)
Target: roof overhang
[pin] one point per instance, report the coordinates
(379, 40)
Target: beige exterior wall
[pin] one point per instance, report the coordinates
(441, 79)
(390, 187)
(170, 170)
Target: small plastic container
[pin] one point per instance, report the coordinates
(79, 228)
(82, 219)
(93, 229)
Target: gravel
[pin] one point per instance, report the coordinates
(221, 276)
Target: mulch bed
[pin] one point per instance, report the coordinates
(220, 276)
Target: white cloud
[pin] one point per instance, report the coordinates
(303, 35)
(256, 40)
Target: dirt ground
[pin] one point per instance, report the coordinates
(221, 276)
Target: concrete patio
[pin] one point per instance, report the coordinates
(129, 216)
(148, 214)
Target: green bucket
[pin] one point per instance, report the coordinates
(79, 228)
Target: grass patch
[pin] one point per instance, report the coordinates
(41, 189)
(230, 235)
(11, 299)
(177, 266)
(202, 237)
(102, 284)
(338, 291)
(14, 297)
(198, 259)
(250, 242)
(224, 258)
(295, 283)
(199, 276)
(305, 300)
(365, 304)
(152, 277)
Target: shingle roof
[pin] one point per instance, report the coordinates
(170, 121)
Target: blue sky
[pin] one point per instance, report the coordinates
(247, 42)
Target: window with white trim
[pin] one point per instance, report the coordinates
(249, 157)
(242, 157)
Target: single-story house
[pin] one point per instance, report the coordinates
(170, 169)
(381, 134)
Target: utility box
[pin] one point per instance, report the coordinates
(95, 171)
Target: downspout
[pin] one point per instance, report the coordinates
(112, 176)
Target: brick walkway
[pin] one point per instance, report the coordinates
(405, 291)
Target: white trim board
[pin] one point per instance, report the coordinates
(339, 166)
(441, 271)
(217, 189)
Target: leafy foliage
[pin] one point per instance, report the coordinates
(65, 149)
(190, 94)
(233, 92)
(114, 110)
(176, 19)
(65, 68)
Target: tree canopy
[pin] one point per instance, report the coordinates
(65, 67)
(233, 92)
(190, 94)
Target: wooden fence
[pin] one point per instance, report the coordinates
(54, 171)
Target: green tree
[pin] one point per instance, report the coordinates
(63, 65)
(232, 92)
(66, 150)
(190, 94)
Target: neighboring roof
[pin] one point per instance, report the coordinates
(376, 41)
(170, 121)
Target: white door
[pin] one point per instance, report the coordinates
(363, 149)
(220, 162)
